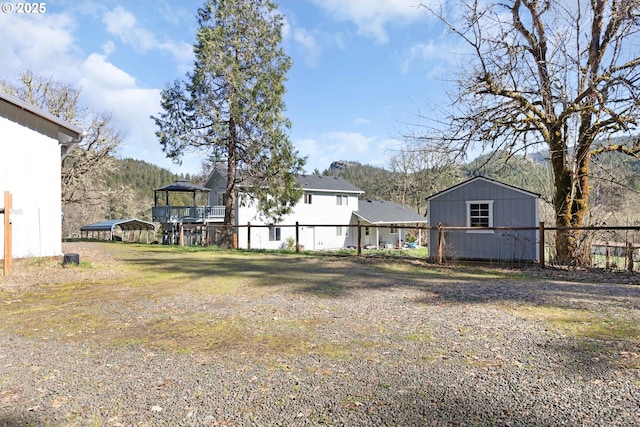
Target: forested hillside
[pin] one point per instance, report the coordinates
(142, 177)
(614, 196)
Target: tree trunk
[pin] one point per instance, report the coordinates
(571, 198)
(228, 232)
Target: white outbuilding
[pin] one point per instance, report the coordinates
(33, 144)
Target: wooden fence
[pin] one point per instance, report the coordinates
(628, 247)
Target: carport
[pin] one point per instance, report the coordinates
(108, 230)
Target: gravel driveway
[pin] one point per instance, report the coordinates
(370, 344)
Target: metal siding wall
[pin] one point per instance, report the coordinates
(31, 172)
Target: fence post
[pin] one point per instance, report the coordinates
(359, 238)
(607, 259)
(181, 238)
(249, 235)
(297, 237)
(629, 256)
(235, 237)
(439, 242)
(541, 240)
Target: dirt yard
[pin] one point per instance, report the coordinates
(151, 335)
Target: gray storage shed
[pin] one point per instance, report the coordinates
(479, 204)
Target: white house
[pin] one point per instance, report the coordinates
(324, 213)
(327, 215)
(32, 146)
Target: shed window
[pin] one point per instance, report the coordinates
(480, 214)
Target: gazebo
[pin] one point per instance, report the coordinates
(109, 227)
(183, 218)
(179, 186)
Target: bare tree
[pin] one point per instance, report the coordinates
(421, 171)
(561, 74)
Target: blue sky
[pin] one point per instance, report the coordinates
(363, 69)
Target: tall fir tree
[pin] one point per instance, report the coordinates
(231, 106)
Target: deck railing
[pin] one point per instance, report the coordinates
(188, 214)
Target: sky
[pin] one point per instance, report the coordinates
(363, 72)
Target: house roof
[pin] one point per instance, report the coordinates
(311, 183)
(124, 224)
(69, 129)
(183, 185)
(326, 183)
(481, 178)
(386, 212)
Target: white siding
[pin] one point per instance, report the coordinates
(30, 170)
(317, 220)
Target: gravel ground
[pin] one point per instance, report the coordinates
(428, 352)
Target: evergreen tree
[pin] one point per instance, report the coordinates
(231, 106)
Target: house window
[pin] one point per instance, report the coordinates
(274, 234)
(393, 229)
(366, 231)
(342, 231)
(342, 200)
(307, 199)
(480, 213)
(221, 199)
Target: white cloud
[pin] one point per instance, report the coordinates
(371, 16)
(123, 25)
(46, 45)
(43, 43)
(336, 146)
(438, 55)
(349, 146)
(309, 44)
(349, 142)
(105, 87)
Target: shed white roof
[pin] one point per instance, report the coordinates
(124, 224)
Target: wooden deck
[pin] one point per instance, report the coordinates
(187, 214)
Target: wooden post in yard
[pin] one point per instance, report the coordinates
(439, 242)
(8, 240)
(359, 238)
(297, 237)
(629, 256)
(541, 240)
(248, 236)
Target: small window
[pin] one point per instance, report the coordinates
(221, 199)
(342, 200)
(274, 234)
(307, 199)
(480, 214)
(366, 231)
(393, 229)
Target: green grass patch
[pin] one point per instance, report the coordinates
(583, 323)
